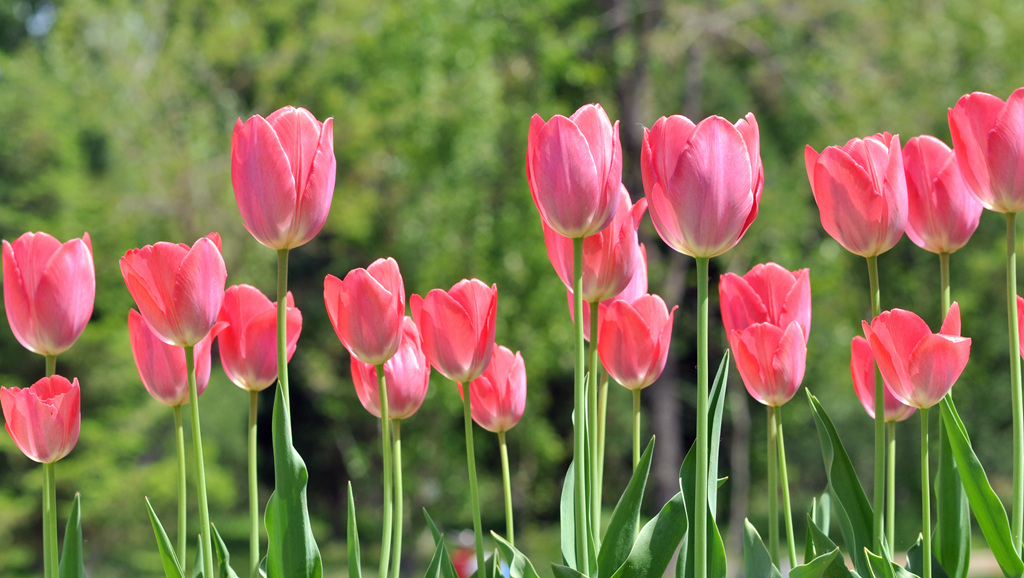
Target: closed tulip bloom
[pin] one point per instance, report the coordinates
(283, 170)
(179, 289)
(768, 293)
(635, 289)
(862, 369)
(943, 214)
(44, 419)
(609, 257)
(988, 138)
(771, 360)
(920, 366)
(861, 192)
(703, 182)
(406, 377)
(162, 366)
(574, 168)
(49, 290)
(248, 342)
(634, 340)
(367, 309)
(498, 397)
(458, 328)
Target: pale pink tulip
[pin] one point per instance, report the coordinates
(771, 360)
(248, 342)
(458, 328)
(43, 420)
(862, 369)
(367, 309)
(406, 377)
(988, 138)
(943, 214)
(634, 339)
(162, 366)
(498, 396)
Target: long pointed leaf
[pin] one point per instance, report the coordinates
(822, 543)
(879, 567)
(447, 566)
(657, 542)
(519, 566)
(951, 541)
(717, 406)
(72, 564)
(355, 558)
(567, 518)
(560, 571)
(756, 559)
(625, 520)
(172, 569)
(914, 565)
(224, 569)
(823, 565)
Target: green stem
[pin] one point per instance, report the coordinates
(254, 492)
(51, 365)
(506, 482)
(397, 455)
(282, 330)
(926, 516)
(474, 494)
(878, 530)
(50, 558)
(602, 419)
(701, 497)
(579, 416)
(385, 435)
(1015, 381)
(773, 486)
(594, 491)
(944, 280)
(179, 435)
(197, 445)
(787, 510)
(890, 487)
(636, 428)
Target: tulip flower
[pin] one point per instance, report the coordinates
(988, 138)
(574, 168)
(49, 290)
(44, 419)
(768, 293)
(634, 340)
(179, 289)
(366, 310)
(636, 288)
(458, 328)
(283, 172)
(162, 366)
(862, 369)
(771, 360)
(407, 375)
(248, 343)
(942, 212)
(703, 182)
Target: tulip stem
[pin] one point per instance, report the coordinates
(701, 494)
(944, 280)
(506, 482)
(474, 494)
(397, 455)
(51, 365)
(594, 490)
(636, 428)
(50, 560)
(179, 434)
(385, 434)
(197, 445)
(890, 488)
(602, 419)
(1015, 382)
(878, 530)
(773, 486)
(926, 516)
(787, 510)
(254, 491)
(282, 330)
(579, 415)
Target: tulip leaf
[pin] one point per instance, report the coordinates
(851, 503)
(657, 542)
(447, 567)
(821, 507)
(879, 567)
(291, 550)
(987, 508)
(560, 571)
(625, 520)
(355, 559)
(951, 541)
(519, 566)
(824, 564)
(72, 564)
(223, 557)
(717, 401)
(567, 518)
(914, 555)
(822, 545)
(756, 560)
(197, 565)
(172, 569)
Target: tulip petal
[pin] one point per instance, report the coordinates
(566, 177)
(970, 122)
(1006, 150)
(263, 180)
(314, 200)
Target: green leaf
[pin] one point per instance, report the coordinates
(625, 520)
(172, 569)
(987, 508)
(823, 544)
(756, 559)
(914, 555)
(72, 564)
(821, 566)
(223, 557)
(291, 550)
(851, 504)
(560, 571)
(355, 558)
(434, 532)
(951, 541)
(447, 567)
(656, 543)
(197, 565)
(821, 508)
(879, 567)
(518, 565)
(717, 406)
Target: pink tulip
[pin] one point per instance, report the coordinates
(498, 397)
(768, 293)
(179, 290)
(44, 419)
(458, 328)
(636, 288)
(771, 360)
(406, 376)
(248, 342)
(49, 290)
(162, 366)
(609, 257)
(862, 369)
(634, 340)
(988, 137)
(574, 168)
(920, 366)
(367, 309)
(703, 181)
(861, 192)
(943, 214)
(283, 172)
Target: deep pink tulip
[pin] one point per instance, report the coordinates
(49, 290)
(703, 181)
(162, 366)
(943, 214)
(862, 369)
(609, 257)
(636, 288)
(768, 293)
(861, 192)
(406, 376)
(988, 137)
(367, 309)
(498, 397)
(458, 328)
(574, 168)
(179, 289)
(920, 366)
(634, 339)
(248, 343)
(283, 170)
(44, 419)
(771, 360)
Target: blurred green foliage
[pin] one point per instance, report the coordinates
(116, 119)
